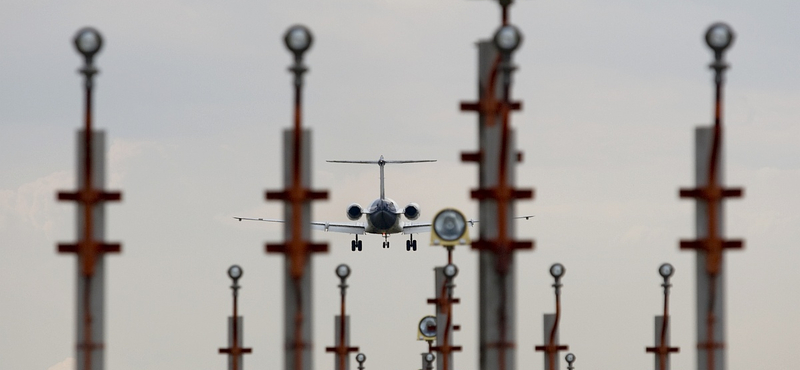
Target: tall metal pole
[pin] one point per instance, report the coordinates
(497, 158)
(297, 198)
(90, 197)
(709, 193)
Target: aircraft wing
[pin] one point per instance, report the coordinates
(425, 227)
(339, 227)
(336, 227)
(416, 228)
(473, 221)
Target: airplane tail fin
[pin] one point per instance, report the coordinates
(381, 162)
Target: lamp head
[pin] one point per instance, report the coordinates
(450, 271)
(343, 271)
(88, 42)
(557, 270)
(235, 272)
(426, 330)
(298, 39)
(719, 37)
(666, 270)
(570, 358)
(360, 357)
(449, 228)
(429, 357)
(507, 38)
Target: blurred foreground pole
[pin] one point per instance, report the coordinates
(90, 217)
(709, 193)
(297, 197)
(497, 298)
(497, 159)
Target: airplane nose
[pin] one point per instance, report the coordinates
(383, 220)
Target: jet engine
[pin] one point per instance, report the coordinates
(354, 211)
(412, 211)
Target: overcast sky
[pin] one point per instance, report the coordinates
(193, 96)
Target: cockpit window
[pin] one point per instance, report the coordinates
(374, 206)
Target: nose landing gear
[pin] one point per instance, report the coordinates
(411, 244)
(385, 241)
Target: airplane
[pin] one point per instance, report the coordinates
(382, 217)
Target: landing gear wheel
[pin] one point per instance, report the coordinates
(408, 245)
(359, 245)
(353, 245)
(414, 245)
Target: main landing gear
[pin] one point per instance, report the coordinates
(385, 241)
(355, 244)
(411, 243)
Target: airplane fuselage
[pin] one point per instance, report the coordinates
(383, 217)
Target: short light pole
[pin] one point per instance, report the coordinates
(427, 361)
(342, 323)
(551, 321)
(235, 324)
(444, 316)
(361, 358)
(662, 348)
(570, 359)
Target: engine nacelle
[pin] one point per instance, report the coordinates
(412, 211)
(354, 211)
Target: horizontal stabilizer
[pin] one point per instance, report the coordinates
(384, 161)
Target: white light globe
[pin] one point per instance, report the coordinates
(666, 270)
(507, 38)
(342, 271)
(557, 270)
(298, 39)
(719, 36)
(88, 41)
(450, 270)
(235, 272)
